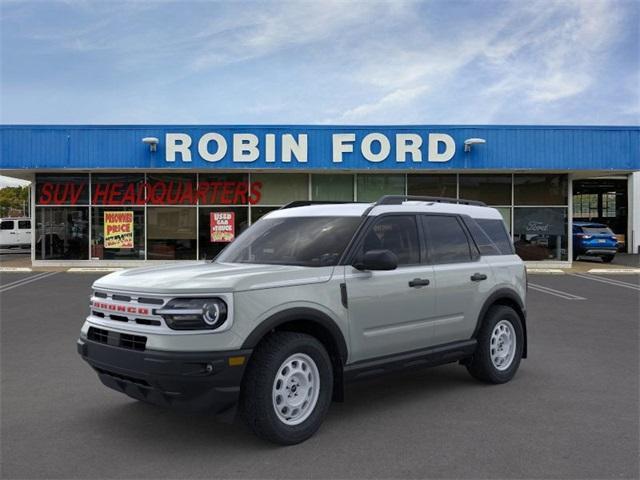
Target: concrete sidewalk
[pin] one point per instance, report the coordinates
(20, 260)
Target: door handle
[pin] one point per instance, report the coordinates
(419, 282)
(477, 277)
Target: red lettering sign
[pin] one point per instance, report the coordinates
(157, 193)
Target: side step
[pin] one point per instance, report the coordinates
(428, 357)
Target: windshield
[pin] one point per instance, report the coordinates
(305, 241)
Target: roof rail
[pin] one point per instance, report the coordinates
(306, 203)
(398, 199)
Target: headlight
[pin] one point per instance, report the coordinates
(194, 313)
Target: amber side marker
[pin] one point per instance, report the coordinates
(236, 361)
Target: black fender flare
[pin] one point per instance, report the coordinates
(498, 297)
(299, 314)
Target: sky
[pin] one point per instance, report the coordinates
(320, 62)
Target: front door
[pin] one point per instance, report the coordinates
(8, 233)
(391, 311)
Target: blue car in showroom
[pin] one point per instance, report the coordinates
(594, 239)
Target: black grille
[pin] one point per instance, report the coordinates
(152, 301)
(98, 335)
(121, 298)
(146, 321)
(133, 342)
(119, 376)
(100, 294)
(122, 340)
(118, 318)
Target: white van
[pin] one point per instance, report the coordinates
(15, 232)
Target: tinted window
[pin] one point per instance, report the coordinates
(497, 232)
(481, 239)
(307, 241)
(24, 224)
(398, 234)
(447, 241)
(6, 225)
(597, 230)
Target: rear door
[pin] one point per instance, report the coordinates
(24, 232)
(462, 278)
(391, 311)
(8, 233)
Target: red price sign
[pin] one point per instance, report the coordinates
(223, 228)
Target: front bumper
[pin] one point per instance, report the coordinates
(187, 380)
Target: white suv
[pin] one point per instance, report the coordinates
(311, 296)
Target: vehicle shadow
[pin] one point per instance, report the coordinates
(192, 433)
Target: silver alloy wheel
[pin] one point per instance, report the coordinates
(503, 345)
(296, 389)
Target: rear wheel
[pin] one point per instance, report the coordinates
(607, 258)
(500, 344)
(287, 388)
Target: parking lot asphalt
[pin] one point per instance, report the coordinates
(570, 412)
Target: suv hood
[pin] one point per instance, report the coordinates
(201, 277)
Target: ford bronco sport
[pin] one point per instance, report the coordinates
(309, 297)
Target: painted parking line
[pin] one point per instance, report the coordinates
(554, 292)
(609, 281)
(24, 281)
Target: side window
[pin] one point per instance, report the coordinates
(482, 240)
(6, 225)
(24, 224)
(398, 233)
(446, 238)
(497, 232)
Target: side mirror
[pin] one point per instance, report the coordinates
(377, 260)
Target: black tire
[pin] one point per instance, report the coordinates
(256, 403)
(480, 366)
(607, 258)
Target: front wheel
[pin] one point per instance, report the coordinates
(500, 345)
(607, 258)
(287, 388)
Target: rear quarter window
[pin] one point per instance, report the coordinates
(497, 232)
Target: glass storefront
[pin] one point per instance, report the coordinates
(188, 216)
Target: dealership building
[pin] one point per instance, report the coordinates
(123, 195)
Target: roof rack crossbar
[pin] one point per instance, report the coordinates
(306, 203)
(398, 199)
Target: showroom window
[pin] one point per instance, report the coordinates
(335, 188)
(117, 189)
(219, 226)
(432, 185)
(373, 186)
(62, 233)
(540, 189)
(62, 189)
(491, 189)
(281, 188)
(117, 233)
(226, 189)
(171, 189)
(171, 233)
(540, 233)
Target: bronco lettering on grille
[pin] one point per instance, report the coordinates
(120, 308)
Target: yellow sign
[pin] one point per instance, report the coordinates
(118, 229)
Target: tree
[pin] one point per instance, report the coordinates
(14, 200)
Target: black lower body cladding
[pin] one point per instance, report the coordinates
(184, 380)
